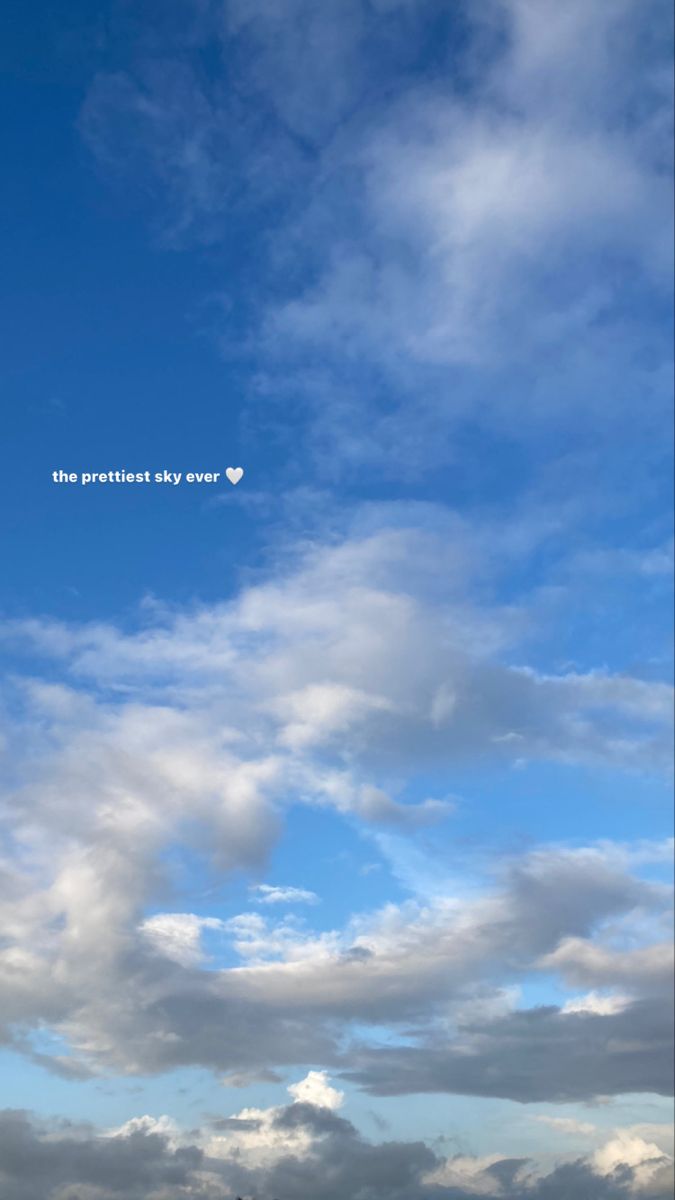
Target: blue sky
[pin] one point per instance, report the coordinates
(359, 771)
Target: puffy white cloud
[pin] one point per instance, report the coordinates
(179, 731)
(165, 1126)
(595, 1003)
(645, 1159)
(315, 1089)
(178, 935)
(126, 989)
(258, 1137)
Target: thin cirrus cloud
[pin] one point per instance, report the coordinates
(445, 239)
(266, 893)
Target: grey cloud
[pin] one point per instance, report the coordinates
(154, 1018)
(95, 977)
(308, 1116)
(419, 961)
(36, 1166)
(538, 1054)
(575, 1180)
(587, 965)
(38, 1163)
(108, 782)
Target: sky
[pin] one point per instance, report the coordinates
(336, 852)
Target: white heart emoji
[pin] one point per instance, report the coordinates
(234, 474)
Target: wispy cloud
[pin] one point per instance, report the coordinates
(266, 893)
(443, 241)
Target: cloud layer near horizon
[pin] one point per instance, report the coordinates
(304, 1150)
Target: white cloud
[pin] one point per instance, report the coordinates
(592, 1002)
(315, 1089)
(477, 203)
(628, 1149)
(178, 935)
(567, 1125)
(494, 212)
(473, 1174)
(268, 894)
(257, 1137)
(165, 1126)
(176, 732)
(352, 658)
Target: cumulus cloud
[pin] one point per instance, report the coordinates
(646, 1160)
(178, 935)
(316, 1090)
(302, 1150)
(128, 991)
(178, 732)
